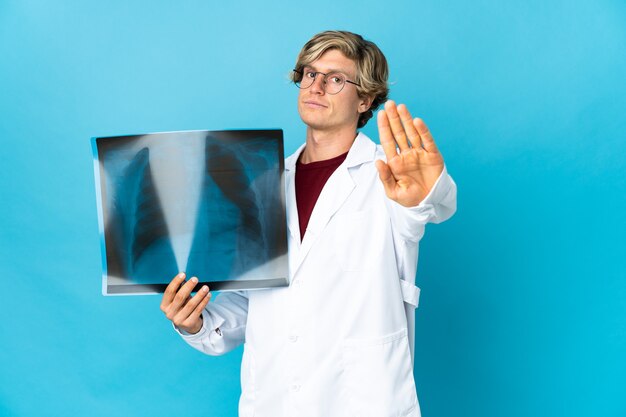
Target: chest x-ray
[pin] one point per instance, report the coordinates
(210, 203)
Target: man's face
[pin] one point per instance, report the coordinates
(323, 111)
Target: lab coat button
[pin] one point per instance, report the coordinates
(294, 388)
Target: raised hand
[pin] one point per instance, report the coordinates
(182, 309)
(413, 168)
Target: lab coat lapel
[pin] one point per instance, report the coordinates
(335, 192)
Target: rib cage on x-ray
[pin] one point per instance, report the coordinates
(210, 205)
(149, 225)
(242, 236)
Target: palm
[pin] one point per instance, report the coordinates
(411, 170)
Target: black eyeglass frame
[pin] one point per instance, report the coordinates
(297, 83)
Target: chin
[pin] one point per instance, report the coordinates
(314, 121)
(316, 124)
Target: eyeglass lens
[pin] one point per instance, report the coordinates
(332, 82)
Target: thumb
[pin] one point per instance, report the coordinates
(386, 177)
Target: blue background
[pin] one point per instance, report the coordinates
(523, 309)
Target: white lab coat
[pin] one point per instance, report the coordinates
(338, 340)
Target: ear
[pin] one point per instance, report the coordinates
(365, 103)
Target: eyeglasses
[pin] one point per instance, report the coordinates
(332, 82)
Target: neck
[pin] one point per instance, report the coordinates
(323, 145)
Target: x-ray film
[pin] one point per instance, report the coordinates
(210, 203)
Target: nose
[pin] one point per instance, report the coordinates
(318, 84)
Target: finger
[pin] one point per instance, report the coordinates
(181, 297)
(170, 291)
(427, 138)
(191, 305)
(409, 128)
(396, 125)
(198, 310)
(386, 177)
(191, 322)
(386, 136)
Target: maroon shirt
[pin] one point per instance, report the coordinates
(310, 179)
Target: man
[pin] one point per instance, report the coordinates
(337, 341)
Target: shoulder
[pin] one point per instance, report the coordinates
(290, 161)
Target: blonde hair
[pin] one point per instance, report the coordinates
(371, 64)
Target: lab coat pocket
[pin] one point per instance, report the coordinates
(379, 376)
(248, 389)
(353, 240)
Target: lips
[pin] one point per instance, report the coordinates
(314, 104)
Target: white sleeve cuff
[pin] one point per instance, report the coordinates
(204, 330)
(438, 206)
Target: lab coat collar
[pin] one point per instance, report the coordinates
(337, 189)
(362, 150)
